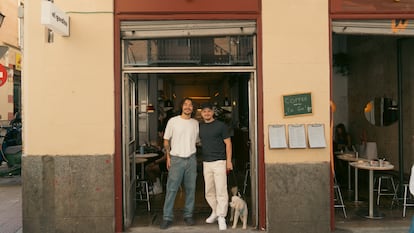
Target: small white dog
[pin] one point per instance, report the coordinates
(238, 209)
(234, 192)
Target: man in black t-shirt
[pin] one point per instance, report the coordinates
(216, 153)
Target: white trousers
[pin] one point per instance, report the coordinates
(215, 179)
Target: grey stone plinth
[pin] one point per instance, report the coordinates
(68, 194)
(298, 197)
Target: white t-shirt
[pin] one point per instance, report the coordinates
(411, 184)
(183, 136)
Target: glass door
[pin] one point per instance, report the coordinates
(128, 149)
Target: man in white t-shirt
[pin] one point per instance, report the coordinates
(180, 138)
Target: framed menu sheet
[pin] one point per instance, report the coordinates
(277, 136)
(316, 136)
(297, 137)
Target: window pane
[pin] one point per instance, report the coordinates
(195, 51)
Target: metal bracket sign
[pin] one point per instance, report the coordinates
(55, 19)
(3, 75)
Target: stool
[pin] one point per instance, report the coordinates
(407, 196)
(143, 192)
(339, 202)
(389, 190)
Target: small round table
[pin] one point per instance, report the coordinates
(367, 165)
(351, 158)
(147, 155)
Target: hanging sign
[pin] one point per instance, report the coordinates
(3, 75)
(55, 19)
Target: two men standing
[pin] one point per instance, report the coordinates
(180, 138)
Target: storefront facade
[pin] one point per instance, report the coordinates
(73, 122)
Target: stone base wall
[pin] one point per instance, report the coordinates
(68, 194)
(298, 198)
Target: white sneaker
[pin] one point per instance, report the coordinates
(212, 218)
(222, 223)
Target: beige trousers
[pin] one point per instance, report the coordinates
(215, 178)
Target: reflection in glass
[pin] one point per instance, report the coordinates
(381, 111)
(191, 51)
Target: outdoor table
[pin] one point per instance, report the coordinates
(143, 157)
(142, 162)
(147, 155)
(372, 166)
(352, 158)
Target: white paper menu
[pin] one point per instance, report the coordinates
(316, 136)
(277, 136)
(297, 137)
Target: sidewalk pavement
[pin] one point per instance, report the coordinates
(10, 204)
(213, 228)
(11, 218)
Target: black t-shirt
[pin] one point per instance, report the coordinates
(212, 137)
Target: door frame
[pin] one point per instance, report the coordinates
(128, 142)
(259, 147)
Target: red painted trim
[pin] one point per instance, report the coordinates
(331, 191)
(188, 17)
(362, 15)
(155, 14)
(261, 170)
(372, 7)
(118, 128)
(185, 6)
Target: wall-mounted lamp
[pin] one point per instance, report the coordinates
(1, 18)
(150, 108)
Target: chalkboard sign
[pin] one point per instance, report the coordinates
(297, 104)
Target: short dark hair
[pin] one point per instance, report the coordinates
(207, 105)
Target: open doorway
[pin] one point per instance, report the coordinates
(157, 97)
(162, 62)
(372, 91)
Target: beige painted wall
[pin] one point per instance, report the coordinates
(68, 89)
(296, 60)
(8, 30)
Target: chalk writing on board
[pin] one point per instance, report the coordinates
(297, 104)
